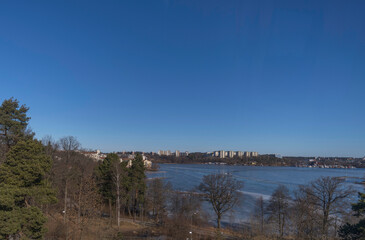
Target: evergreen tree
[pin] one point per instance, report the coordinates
(137, 182)
(355, 231)
(105, 176)
(13, 122)
(104, 179)
(23, 188)
(132, 183)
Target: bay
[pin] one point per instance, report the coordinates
(258, 181)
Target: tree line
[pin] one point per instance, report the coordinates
(260, 160)
(49, 189)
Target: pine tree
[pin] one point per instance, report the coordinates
(23, 189)
(357, 230)
(13, 122)
(105, 181)
(137, 182)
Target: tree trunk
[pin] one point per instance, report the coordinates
(135, 202)
(118, 200)
(282, 226)
(324, 228)
(262, 215)
(110, 211)
(65, 209)
(219, 221)
(135, 206)
(129, 211)
(79, 209)
(81, 231)
(141, 212)
(65, 203)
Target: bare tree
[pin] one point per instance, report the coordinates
(185, 205)
(304, 215)
(258, 217)
(185, 213)
(328, 195)
(69, 144)
(89, 202)
(117, 175)
(119, 182)
(157, 198)
(279, 207)
(51, 146)
(221, 190)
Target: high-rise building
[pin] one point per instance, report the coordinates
(177, 153)
(222, 154)
(239, 153)
(164, 153)
(231, 154)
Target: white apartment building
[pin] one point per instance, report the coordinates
(177, 153)
(230, 154)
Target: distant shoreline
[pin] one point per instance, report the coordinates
(246, 165)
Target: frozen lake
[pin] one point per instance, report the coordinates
(258, 181)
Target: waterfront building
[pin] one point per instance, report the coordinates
(239, 154)
(96, 155)
(164, 153)
(186, 153)
(231, 154)
(222, 154)
(130, 158)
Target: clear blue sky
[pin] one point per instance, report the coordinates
(269, 76)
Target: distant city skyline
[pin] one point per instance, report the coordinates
(281, 77)
(221, 153)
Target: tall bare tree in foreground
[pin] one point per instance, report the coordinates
(258, 217)
(221, 190)
(68, 145)
(118, 173)
(185, 213)
(279, 208)
(304, 215)
(157, 196)
(328, 195)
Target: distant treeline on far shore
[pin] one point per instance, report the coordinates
(262, 160)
